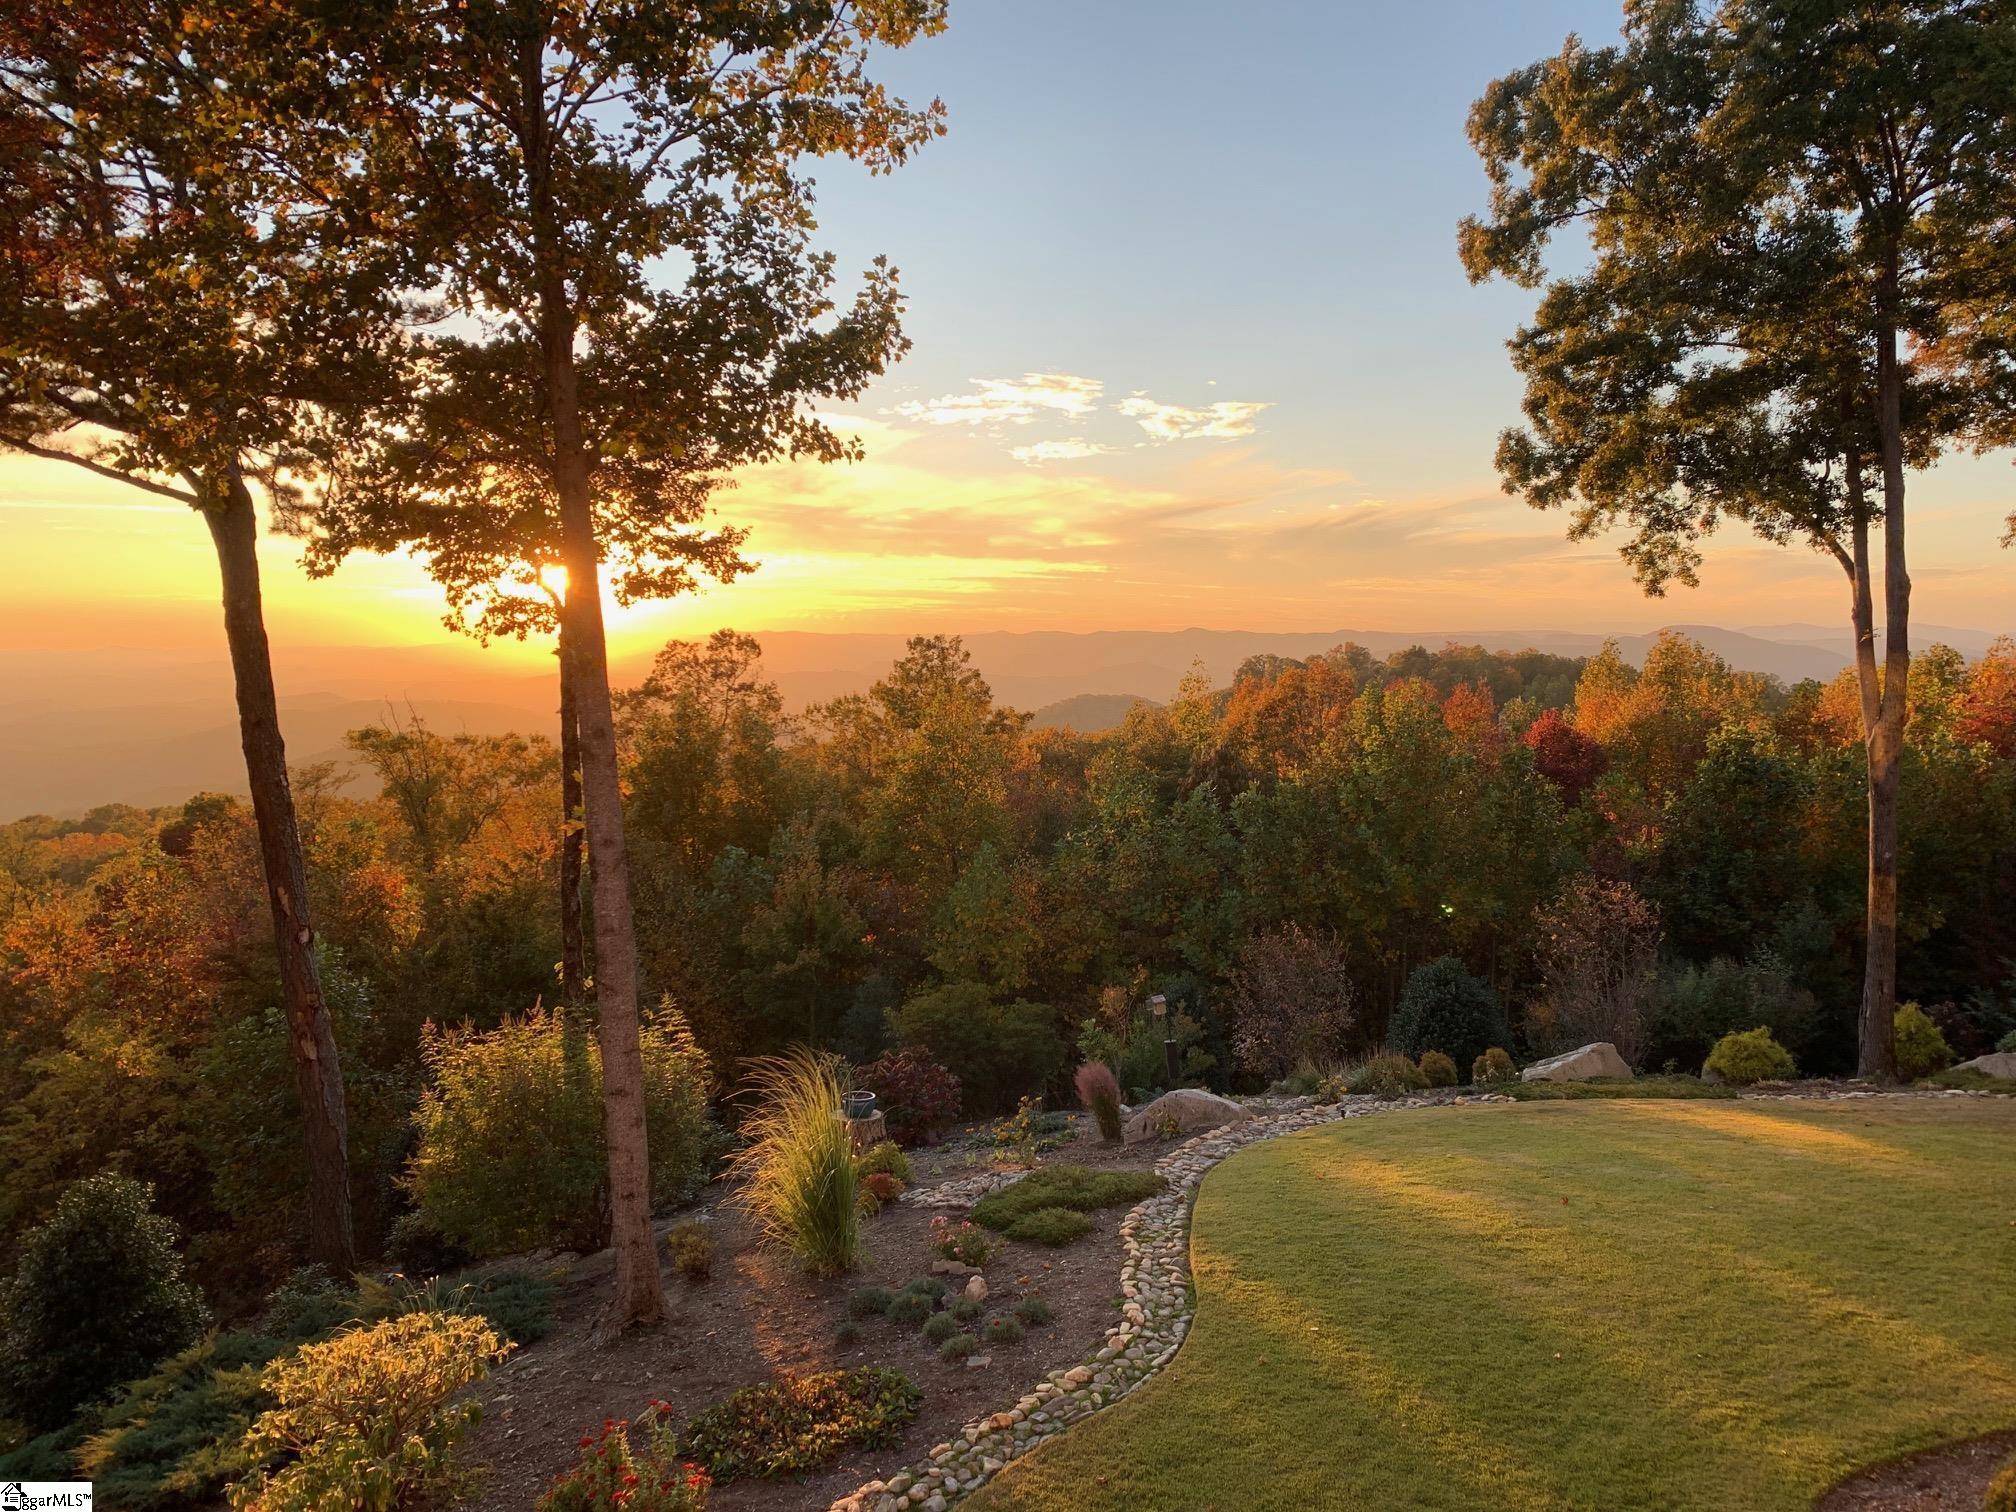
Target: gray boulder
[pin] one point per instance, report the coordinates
(2002, 1065)
(1586, 1064)
(1187, 1110)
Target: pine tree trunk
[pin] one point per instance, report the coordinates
(573, 959)
(638, 1296)
(311, 1043)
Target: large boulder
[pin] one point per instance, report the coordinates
(1586, 1064)
(2002, 1064)
(1187, 1110)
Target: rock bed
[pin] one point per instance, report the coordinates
(962, 1191)
(1154, 1317)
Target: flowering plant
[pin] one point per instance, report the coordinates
(961, 1241)
(612, 1475)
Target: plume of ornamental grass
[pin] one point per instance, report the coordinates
(1099, 1090)
(800, 1185)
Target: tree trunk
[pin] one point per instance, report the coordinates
(311, 1043)
(573, 959)
(638, 1297)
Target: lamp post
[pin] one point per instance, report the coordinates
(1158, 1005)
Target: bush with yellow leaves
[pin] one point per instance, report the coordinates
(363, 1422)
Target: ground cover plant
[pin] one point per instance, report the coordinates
(1714, 1302)
(1071, 1187)
(796, 1422)
(1641, 1088)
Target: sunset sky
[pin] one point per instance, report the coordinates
(1192, 347)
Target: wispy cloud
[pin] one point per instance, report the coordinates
(1014, 401)
(1059, 451)
(1176, 422)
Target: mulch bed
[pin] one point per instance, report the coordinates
(759, 1314)
(1952, 1479)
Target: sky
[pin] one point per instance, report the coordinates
(1191, 347)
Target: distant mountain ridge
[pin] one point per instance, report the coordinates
(134, 724)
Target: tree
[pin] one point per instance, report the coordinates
(1793, 211)
(179, 312)
(549, 158)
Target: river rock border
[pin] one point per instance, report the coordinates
(1154, 1319)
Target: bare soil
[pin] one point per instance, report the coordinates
(759, 1314)
(1952, 1479)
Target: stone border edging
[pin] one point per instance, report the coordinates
(1155, 1319)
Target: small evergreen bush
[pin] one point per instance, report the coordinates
(847, 1335)
(1099, 1091)
(2007, 1044)
(800, 1183)
(691, 1250)
(1439, 1070)
(965, 1309)
(799, 1422)
(939, 1327)
(1493, 1066)
(886, 1159)
(909, 1307)
(1003, 1331)
(1063, 1186)
(366, 1420)
(1921, 1049)
(1445, 1008)
(870, 1302)
(1751, 1056)
(958, 1347)
(1032, 1310)
(98, 1296)
(1386, 1076)
(930, 1286)
(306, 1305)
(1051, 1226)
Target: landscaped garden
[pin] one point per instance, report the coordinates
(1612, 1303)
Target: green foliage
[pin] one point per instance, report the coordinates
(691, 1250)
(1653, 1087)
(799, 1422)
(869, 1302)
(611, 1476)
(367, 1419)
(1051, 1226)
(887, 1159)
(929, 1286)
(512, 1151)
(1002, 1331)
(958, 1347)
(1492, 1067)
(2002, 1490)
(957, 1239)
(1445, 1008)
(909, 1307)
(98, 1296)
(1694, 1006)
(2007, 1044)
(999, 1051)
(1438, 1068)
(965, 1309)
(1033, 1311)
(1077, 1188)
(420, 1249)
(306, 1305)
(1750, 1056)
(848, 1334)
(1385, 1076)
(939, 1327)
(1921, 1049)
(799, 1182)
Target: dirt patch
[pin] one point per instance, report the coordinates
(1952, 1479)
(759, 1314)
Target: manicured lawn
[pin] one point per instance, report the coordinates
(1576, 1304)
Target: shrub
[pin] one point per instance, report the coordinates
(1694, 1006)
(999, 1051)
(1492, 1067)
(1445, 1008)
(1003, 1331)
(511, 1150)
(965, 1309)
(1921, 1049)
(1033, 1310)
(797, 1422)
(1386, 1076)
(881, 1186)
(611, 1476)
(691, 1250)
(886, 1159)
(800, 1185)
(513, 1300)
(1751, 1056)
(1063, 1186)
(909, 1307)
(930, 1286)
(1099, 1091)
(1052, 1226)
(98, 1296)
(959, 1241)
(365, 1420)
(307, 1304)
(2002, 1490)
(1439, 1070)
(2007, 1044)
(420, 1249)
(958, 1347)
(175, 1438)
(917, 1096)
(1641, 1087)
(870, 1302)
(1599, 947)
(1290, 1000)
(939, 1327)
(847, 1335)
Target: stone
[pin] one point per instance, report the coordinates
(976, 1288)
(1586, 1064)
(978, 1362)
(950, 1268)
(2001, 1065)
(1187, 1110)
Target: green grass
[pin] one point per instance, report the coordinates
(1078, 1188)
(1639, 1087)
(1630, 1304)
